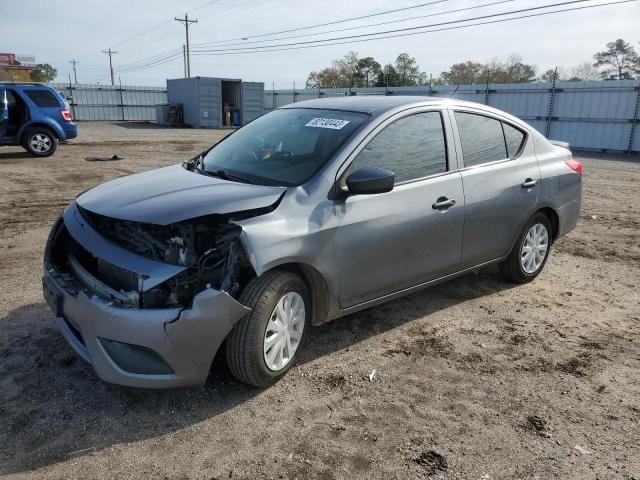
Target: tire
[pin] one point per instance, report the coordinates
(245, 350)
(40, 142)
(515, 268)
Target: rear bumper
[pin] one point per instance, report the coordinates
(568, 217)
(70, 131)
(136, 347)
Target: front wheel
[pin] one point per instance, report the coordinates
(40, 142)
(529, 255)
(263, 344)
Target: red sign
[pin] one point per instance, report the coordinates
(7, 59)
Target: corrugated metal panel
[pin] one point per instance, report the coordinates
(113, 103)
(589, 115)
(252, 101)
(209, 103)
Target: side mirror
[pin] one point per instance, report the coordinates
(368, 180)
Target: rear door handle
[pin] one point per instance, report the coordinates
(529, 183)
(443, 203)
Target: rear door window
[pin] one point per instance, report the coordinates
(481, 137)
(411, 147)
(43, 98)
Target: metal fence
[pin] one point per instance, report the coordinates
(588, 115)
(114, 103)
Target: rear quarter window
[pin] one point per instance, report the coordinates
(43, 98)
(514, 139)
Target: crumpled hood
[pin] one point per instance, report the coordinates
(173, 194)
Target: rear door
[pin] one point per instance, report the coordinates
(501, 181)
(252, 101)
(399, 239)
(4, 113)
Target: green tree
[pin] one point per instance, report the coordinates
(465, 73)
(388, 77)
(368, 71)
(43, 72)
(326, 78)
(407, 69)
(516, 71)
(547, 77)
(619, 61)
(348, 68)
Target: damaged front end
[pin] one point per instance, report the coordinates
(206, 250)
(147, 305)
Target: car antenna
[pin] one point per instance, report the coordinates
(454, 91)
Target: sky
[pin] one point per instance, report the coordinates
(141, 29)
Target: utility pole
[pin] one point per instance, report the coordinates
(185, 21)
(110, 52)
(74, 62)
(184, 59)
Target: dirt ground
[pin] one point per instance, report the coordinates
(477, 378)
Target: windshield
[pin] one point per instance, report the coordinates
(283, 147)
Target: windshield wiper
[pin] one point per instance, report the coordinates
(225, 175)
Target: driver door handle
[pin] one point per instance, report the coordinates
(529, 183)
(443, 203)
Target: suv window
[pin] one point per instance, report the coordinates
(481, 137)
(11, 99)
(412, 147)
(514, 139)
(43, 98)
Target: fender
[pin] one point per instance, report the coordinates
(43, 122)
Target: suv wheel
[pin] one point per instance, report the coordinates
(40, 142)
(262, 346)
(529, 255)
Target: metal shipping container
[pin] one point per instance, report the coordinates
(204, 100)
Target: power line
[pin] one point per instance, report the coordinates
(406, 29)
(151, 64)
(383, 35)
(198, 46)
(168, 55)
(151, 29)
(386, 12)
(423, 32)
(159, 56)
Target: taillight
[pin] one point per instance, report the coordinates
(66, 115)
(574, 165)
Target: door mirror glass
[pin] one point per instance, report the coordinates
(369, 180)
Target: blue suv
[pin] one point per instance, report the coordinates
(34, 116)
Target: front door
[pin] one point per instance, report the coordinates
(4, 113)
(501, 182)
(413, 234)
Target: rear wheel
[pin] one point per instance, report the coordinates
(262, 346)
(529, 255)
(40, 142)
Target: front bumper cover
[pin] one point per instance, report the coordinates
(185, 339)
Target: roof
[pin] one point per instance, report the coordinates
(24, 84)
(366, 103)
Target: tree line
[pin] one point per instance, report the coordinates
(619, 61)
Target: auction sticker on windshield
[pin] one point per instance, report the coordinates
(332, 123)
